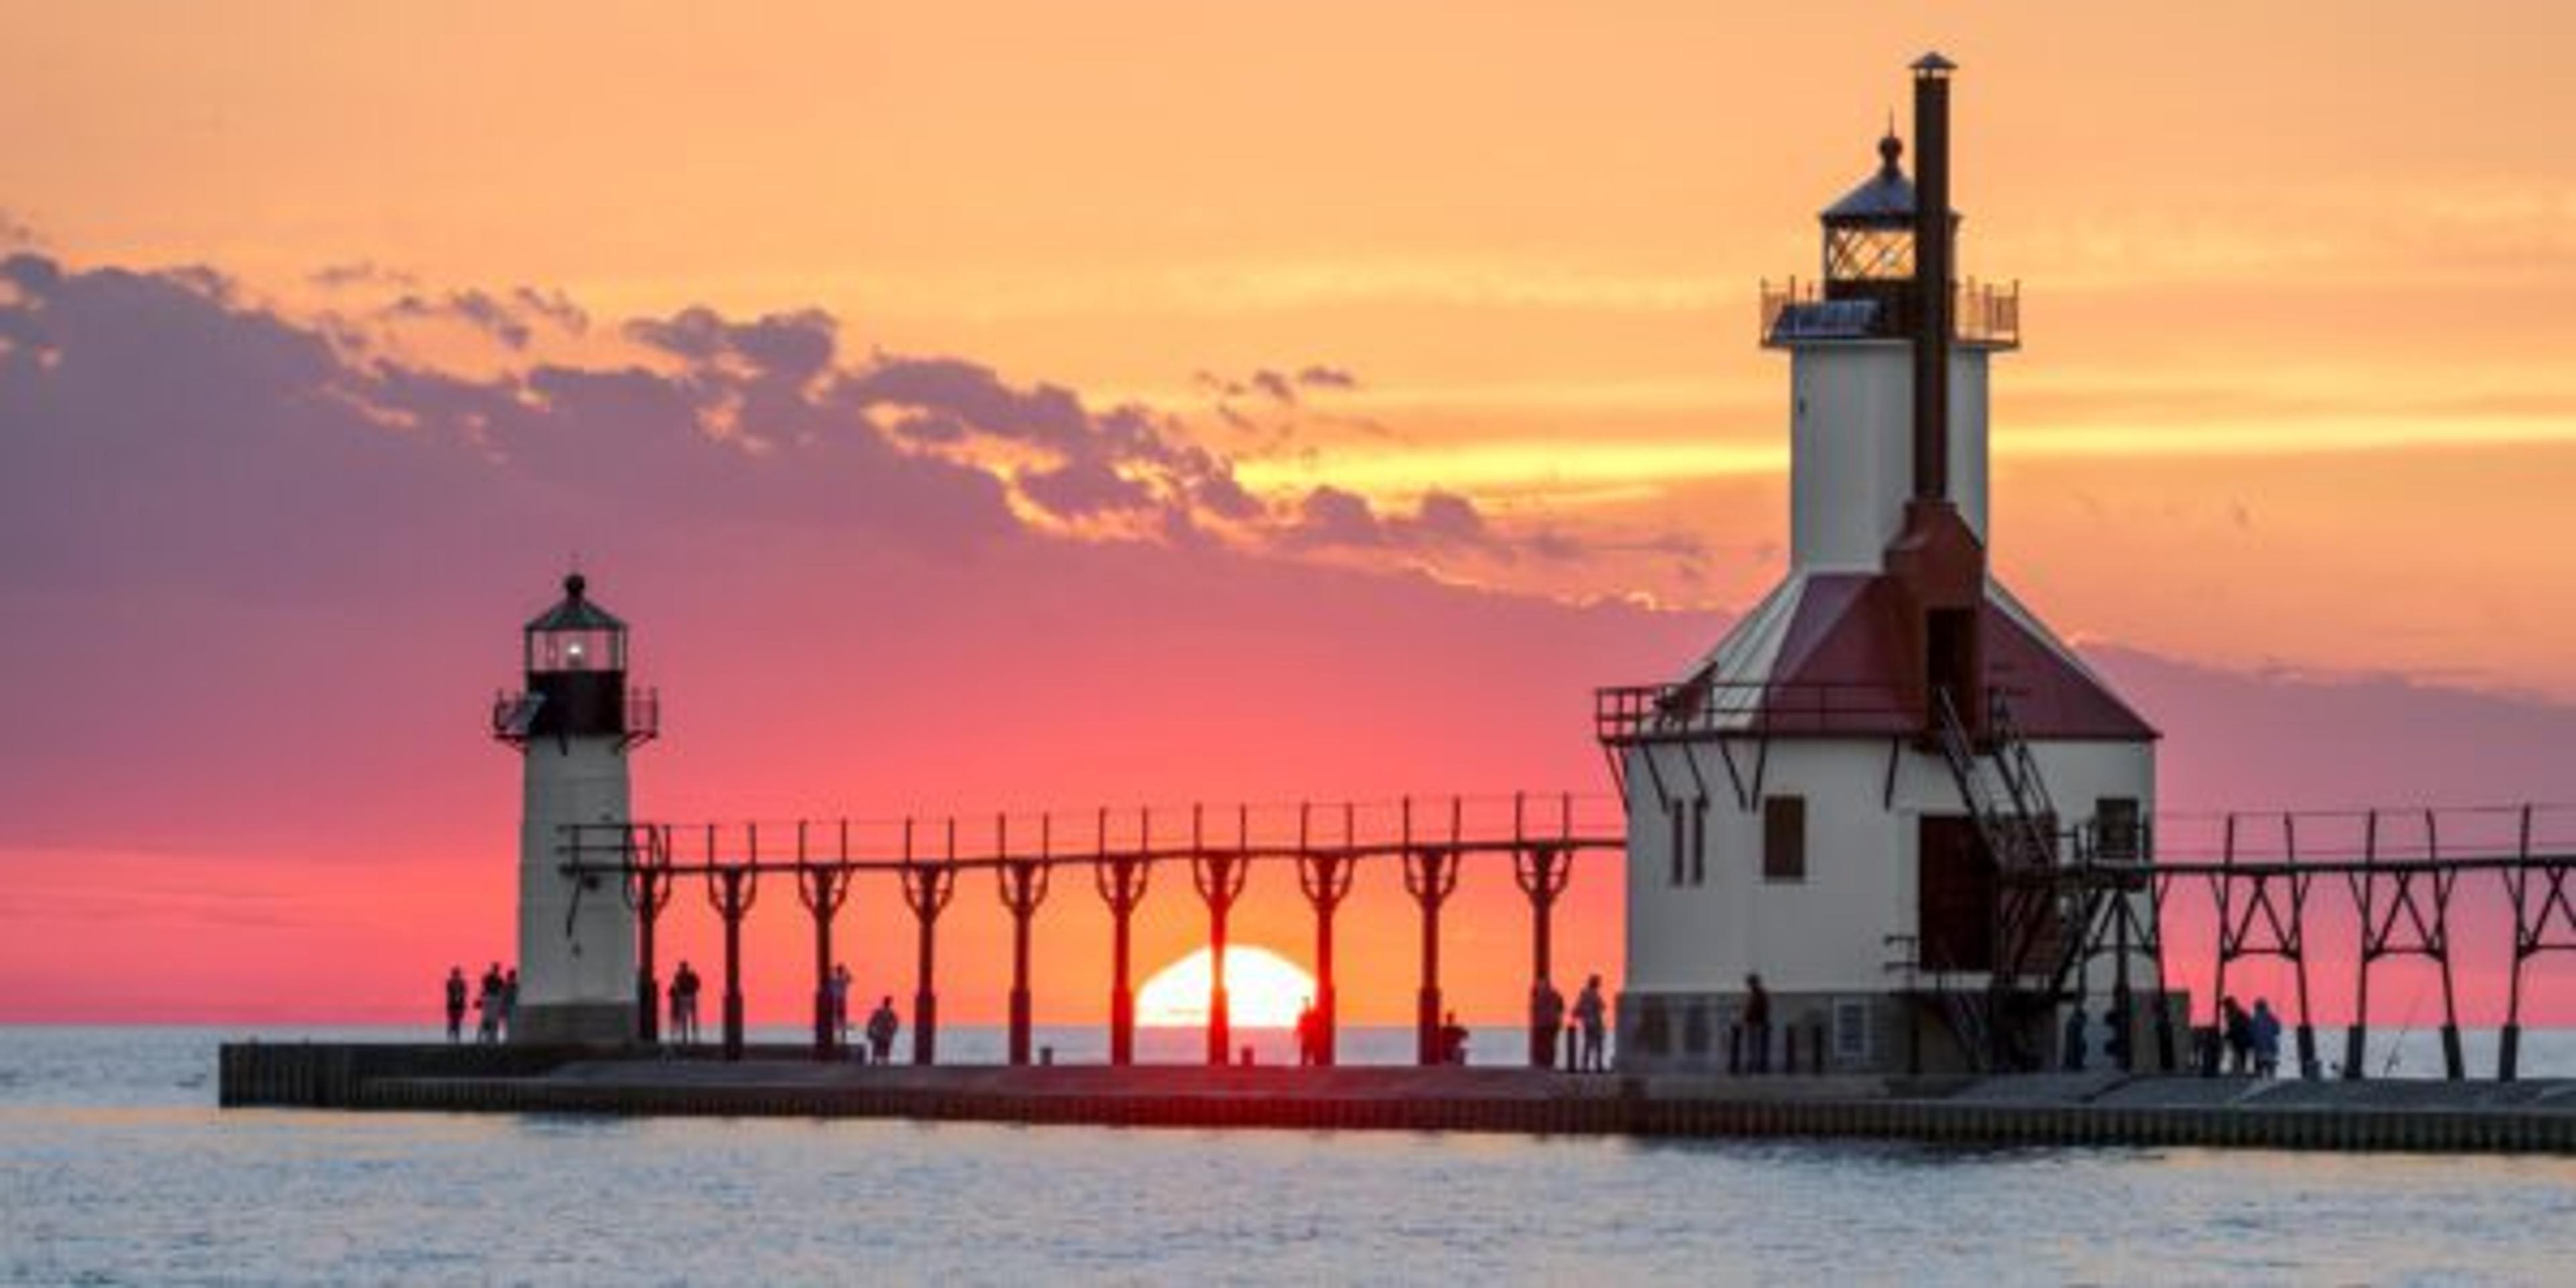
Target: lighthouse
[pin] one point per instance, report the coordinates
(573, 723)
(1891, 794)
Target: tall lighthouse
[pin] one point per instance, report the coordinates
(573, 723)
(1890, 793)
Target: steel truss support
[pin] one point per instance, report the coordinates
(1542, 872)
(733, 890)
(1324, 877)
(1023, 886)
(823, 888)
(2414, 920)
(2544, 920)
(647, 886)
(1219, 876)
(1430, 876)
(926, 889)
(1121, 880)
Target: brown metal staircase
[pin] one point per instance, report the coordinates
(2038, 910)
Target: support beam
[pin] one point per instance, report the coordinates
(926, 889)
(1219, 876)
(733, 890)
(1542, 872)
(1121, 880)
(822, 888)
(1324, 876)
(1023, 884)
(1430, 876)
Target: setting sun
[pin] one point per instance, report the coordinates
(1263, 989)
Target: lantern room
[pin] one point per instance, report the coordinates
(575, 658)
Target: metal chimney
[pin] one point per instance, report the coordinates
(1932, 273)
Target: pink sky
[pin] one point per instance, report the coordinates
(1010, 410)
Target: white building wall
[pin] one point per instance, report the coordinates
(1851, 461)
(579, 780)
(1827, 933)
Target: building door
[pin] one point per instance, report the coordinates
(1955, 901)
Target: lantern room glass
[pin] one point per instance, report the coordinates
(576, 649)
(1869, 254)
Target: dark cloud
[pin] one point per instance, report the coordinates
(1321, 377)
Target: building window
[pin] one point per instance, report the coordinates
(1679, 833)
(1699, 841)
(1784, 838)
(2116, 829)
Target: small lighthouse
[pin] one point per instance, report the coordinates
(1873, 793)
(573, 723)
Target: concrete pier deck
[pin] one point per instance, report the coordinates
(2090, 1109)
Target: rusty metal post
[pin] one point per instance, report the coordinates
(1023, 884)
(2517, 885)
(1219, 876)
(1542, 872)
(1325, 879)
(926, 889)
(1121, 881)
(2309, 1068)
(2365, 897)
(823, 888)
(1430, 876)
(734, 889)
(647, 886)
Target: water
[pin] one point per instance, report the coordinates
(116, 1168)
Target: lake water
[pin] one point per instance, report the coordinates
(115, 1167)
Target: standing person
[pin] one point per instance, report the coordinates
(510, 1002)
(1309, 1050)
(882, 1027)
(1593, 1015)
(679, 1004)
(1757, 1025)
(2236, 1029)
(839, 996)
(1547, 1015)
(1453, 1040)
(487, 1006)
(2267, 1040)
(456, 992)
(684, 1001)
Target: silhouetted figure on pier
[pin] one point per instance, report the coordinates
(456, 1000)
(1453, 1040)
(487, 1006)
(2236, 1029)
(2266, 1032)
(1757, 1025)
(684, 1004)
(510, 1002)
(1593, 1014)
(882, 1026)
(1310, 1034)
(840, 999)
(1547, 1015)
(2073, 1038)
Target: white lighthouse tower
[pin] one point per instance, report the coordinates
(1890, 792)
(573, 724)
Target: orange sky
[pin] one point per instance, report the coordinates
(2296, 389)
(2275, 258)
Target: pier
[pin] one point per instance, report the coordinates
(2070, 1110)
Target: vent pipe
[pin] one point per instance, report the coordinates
(1932, 274)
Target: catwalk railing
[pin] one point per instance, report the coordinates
(1431, 840)
(2474, 895)
(2357, 893)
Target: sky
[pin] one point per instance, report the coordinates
(1015, 407)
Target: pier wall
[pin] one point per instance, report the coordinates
(2104, 1110)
